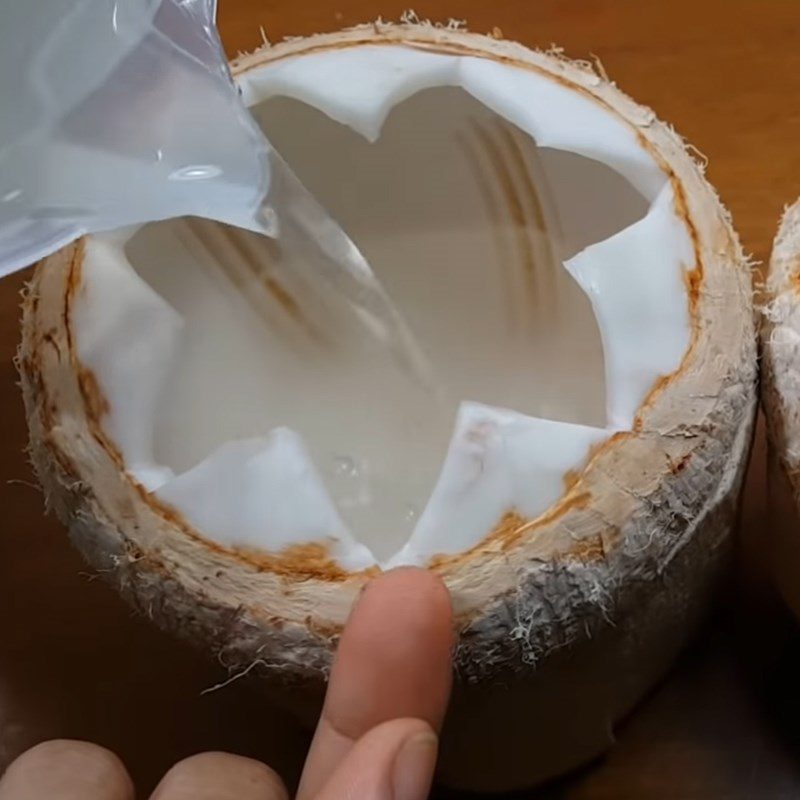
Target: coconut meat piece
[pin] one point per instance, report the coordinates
(527, 236)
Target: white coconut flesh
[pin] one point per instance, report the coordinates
(531, 243)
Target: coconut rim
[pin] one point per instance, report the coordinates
(779, 329)
(664, 432)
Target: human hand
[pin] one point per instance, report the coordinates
(376, 738)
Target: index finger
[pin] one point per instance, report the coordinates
(393, 661)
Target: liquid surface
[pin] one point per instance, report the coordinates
(456, 236)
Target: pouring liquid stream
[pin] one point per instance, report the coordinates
(329, 262)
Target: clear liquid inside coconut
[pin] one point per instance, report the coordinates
(466, 223)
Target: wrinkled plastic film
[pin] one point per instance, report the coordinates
(123, 112)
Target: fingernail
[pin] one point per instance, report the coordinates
(414, 765)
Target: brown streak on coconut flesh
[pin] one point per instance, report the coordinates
(551, 265)
(284, 298)
(33, 371)
(312, 559)
(504, 252)
(693, 280)
(297, 561)
(97, 404)
(504, 530)
(573, 500)
(280, 294)
(571, 478)
(74, 270)
(291, 306)
(516, 210)
(513, 526)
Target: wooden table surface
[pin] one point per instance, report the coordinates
(724, 726)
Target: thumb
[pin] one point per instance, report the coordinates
(393, 761)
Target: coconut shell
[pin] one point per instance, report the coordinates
(780, 342)
(564, 621)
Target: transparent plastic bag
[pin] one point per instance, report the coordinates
(115, 112)
(120, 112)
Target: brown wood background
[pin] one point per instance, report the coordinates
(74, 661)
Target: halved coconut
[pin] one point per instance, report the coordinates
(780, 341)
(228, 451)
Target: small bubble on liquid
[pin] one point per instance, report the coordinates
(345, 466)
(195, 172)
(411, 513)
